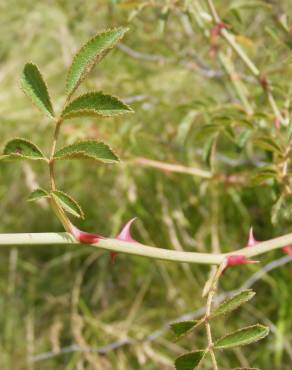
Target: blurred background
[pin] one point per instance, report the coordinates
(70, 307)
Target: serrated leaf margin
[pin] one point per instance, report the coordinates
(84, 154)
(20, 156)
(93, 112)
(227, 300)
(50, 111)
(81, 213)
(264, 334)
(89, 68)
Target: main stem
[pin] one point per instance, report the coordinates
(142, 250)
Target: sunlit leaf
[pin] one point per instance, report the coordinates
(90, 54)
(21, 149)
(233, 303)
(35, 88)
(67, 203)
(89, 149)
(242, 337)
(95, 104)
(189, 361)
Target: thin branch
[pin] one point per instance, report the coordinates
(141, 56)
(172, 167)
(218, 272)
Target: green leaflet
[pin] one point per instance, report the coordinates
(21, 149)
(89, 149)
(95, 104)
(67, 203)
(264, 174)
(233, 303)
(90, 54)
(242, 337)
(209, 149)
(184, 327)
(35, 88)
(38, 194)
(189, 361)
(269, 144)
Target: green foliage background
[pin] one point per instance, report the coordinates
(53, 297)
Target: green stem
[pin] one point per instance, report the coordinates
(142, 250)
(51, 161)
(57, 209)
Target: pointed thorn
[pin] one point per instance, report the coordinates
(125, 234)
(239, 260)
(251, 240)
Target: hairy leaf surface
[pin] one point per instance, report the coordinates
(89, 149)
(90, 54)
(35, 88)
(21, 149)
(95, 104)
(233, 303)
(68, 203)
(242, 337)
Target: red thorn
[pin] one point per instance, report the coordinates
(288, 250)
(238, 260)
(251, 240)
(84, 237)
(125, 234)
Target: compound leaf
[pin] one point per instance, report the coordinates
(35, 88)
(242, 337)
(233, 303)
(89, 149)
(21, 149)
(95, 104)
(90, 54)
(184, 327)
(189, 361)
(67, 203)
(38, 194)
